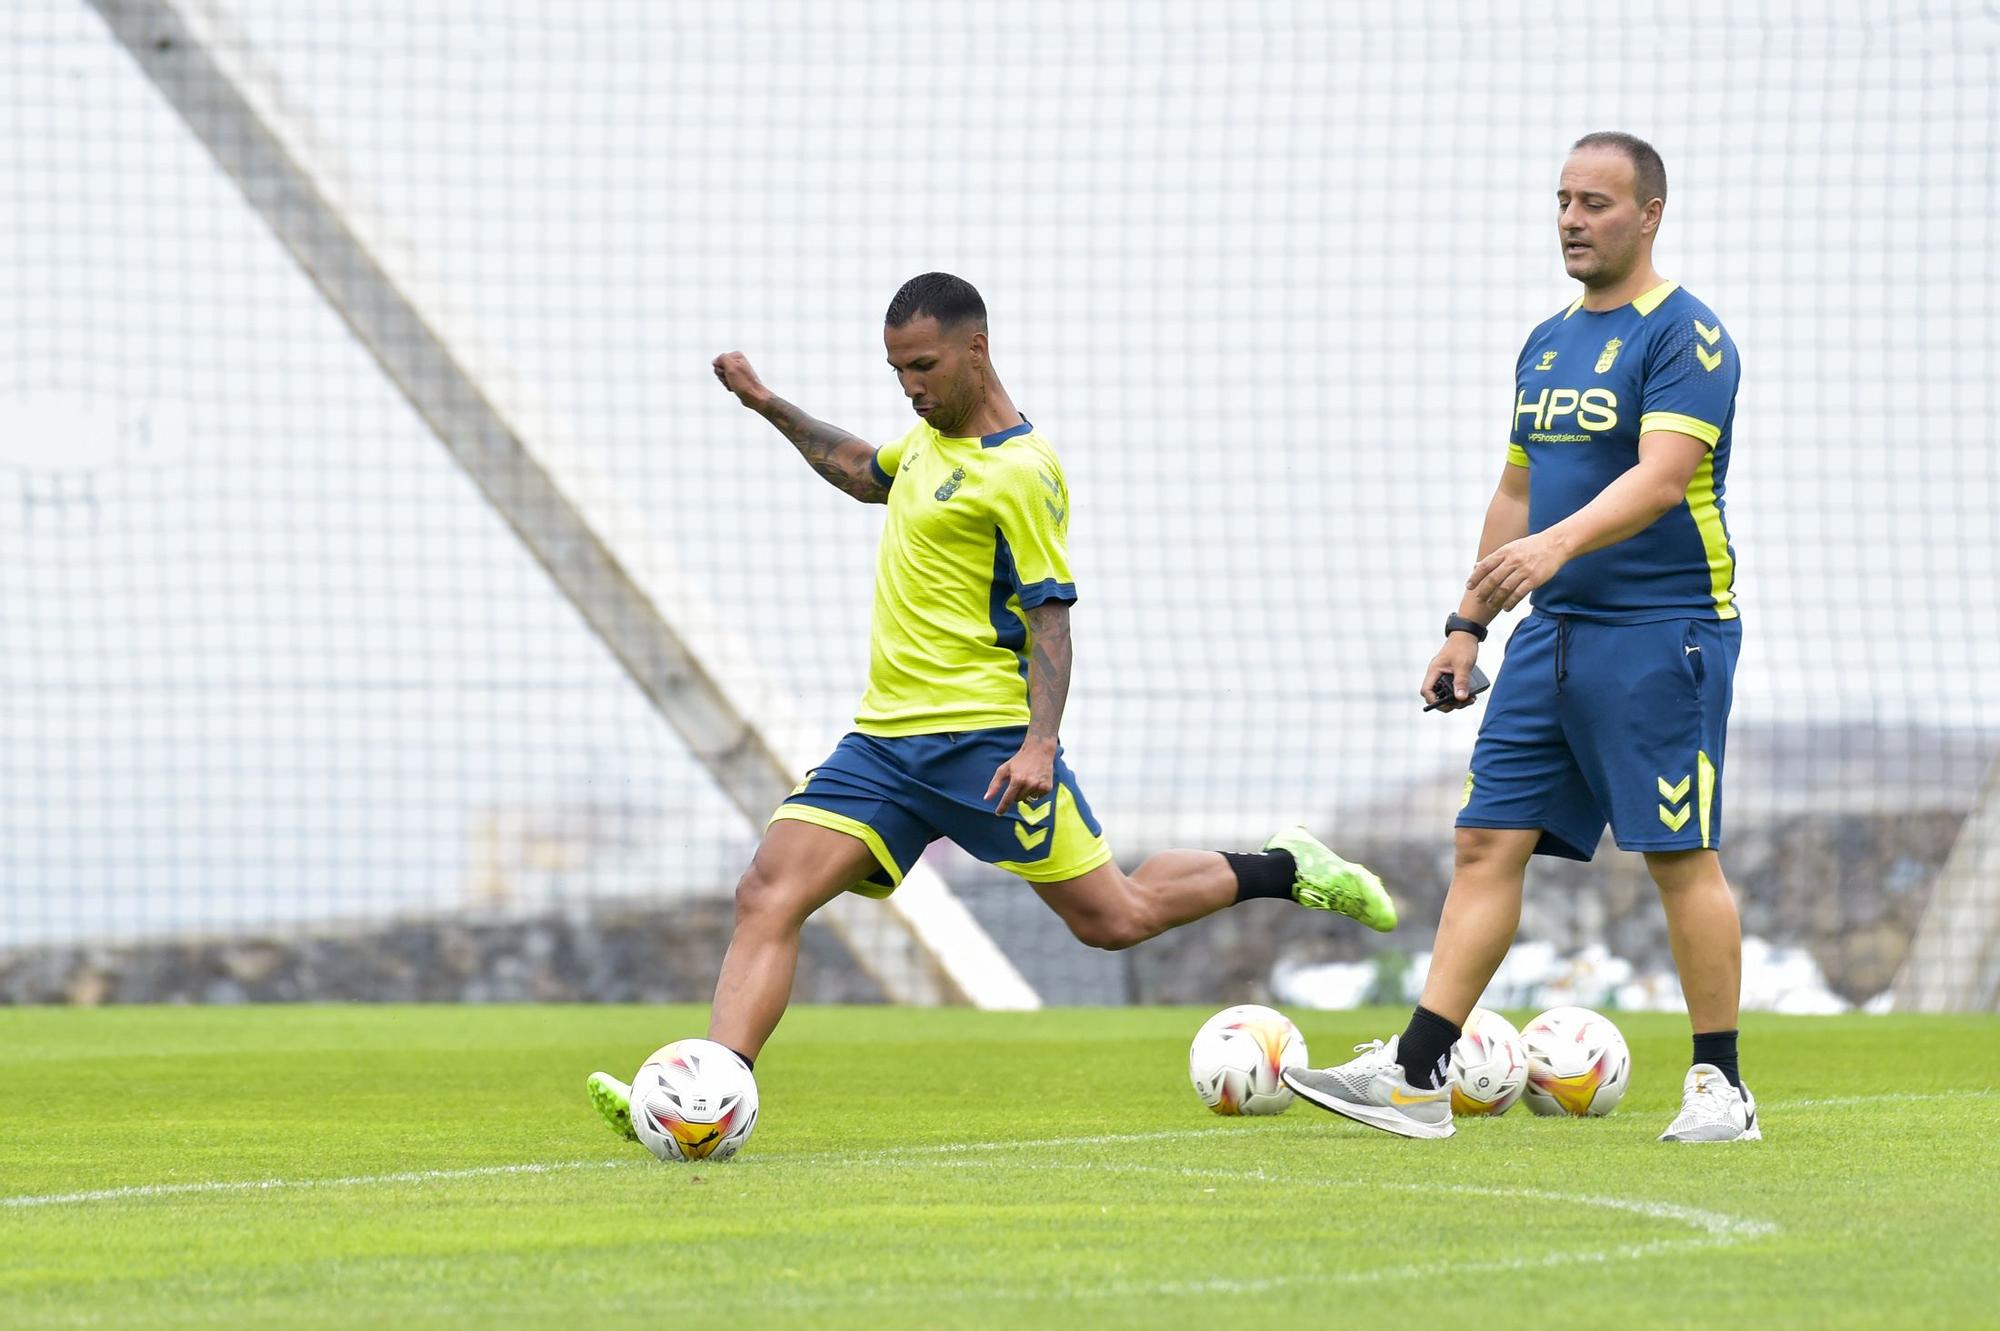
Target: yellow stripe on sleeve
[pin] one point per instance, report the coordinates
(1517, 456)
(1679, 424)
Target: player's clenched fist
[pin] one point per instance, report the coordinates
(732, 368)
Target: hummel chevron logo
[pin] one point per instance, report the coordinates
(1056, 515)
(1033, 813)
(1710, 360)
(1674, 813)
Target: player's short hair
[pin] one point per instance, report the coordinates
(952, 301)
(1649, 173)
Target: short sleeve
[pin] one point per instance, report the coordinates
(1516, 454)
(1031, 506)
(1691, 378)
(887, 458)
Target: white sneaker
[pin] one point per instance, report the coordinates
(1713, 1111)
(1371, 1090)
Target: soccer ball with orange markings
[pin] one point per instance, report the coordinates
(1577, 1063)
(1238, 1060)
(694, 1100)
(1489, 1066)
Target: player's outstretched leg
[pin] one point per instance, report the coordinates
(1108, 908)
(1324, 881)
(798, 868)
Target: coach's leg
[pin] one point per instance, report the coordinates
(1707, 938)
(1400, 1086)
(1482, 910)
(798, 868)
(1111, 909)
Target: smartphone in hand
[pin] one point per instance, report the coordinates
(1445, 691)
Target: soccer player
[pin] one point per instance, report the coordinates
(1612, 702)
(957, 734)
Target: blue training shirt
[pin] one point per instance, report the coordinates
(1588, 384)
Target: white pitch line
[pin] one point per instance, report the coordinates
(1843, 1101)
(853, 1156)
(1718, 1230)
(1715, 1224)
(863, 1155)
(1413, 1272)
(280, 1184)
(147, 1190)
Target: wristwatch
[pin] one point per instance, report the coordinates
(1457, 623)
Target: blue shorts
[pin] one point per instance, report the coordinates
(1592, 723)
(899, 795)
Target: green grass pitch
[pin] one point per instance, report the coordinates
(441, 1167)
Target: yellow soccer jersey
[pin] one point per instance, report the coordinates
(977, 536)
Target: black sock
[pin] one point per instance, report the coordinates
(749, 1063)
(1267, 873)
(1425, 1048)
(1718, 1050)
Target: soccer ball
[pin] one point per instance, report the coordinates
(1238, 1059)
(694, 1100)
(1489, 1065)
(1577, 1063)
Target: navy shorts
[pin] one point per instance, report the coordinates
(897, 795)
(1592, 723)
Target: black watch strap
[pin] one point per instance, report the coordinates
(1457, 623)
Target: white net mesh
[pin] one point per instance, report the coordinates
(1259, 270)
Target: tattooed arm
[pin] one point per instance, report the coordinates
(843, 461)
(1031, 773)
(1048, 669)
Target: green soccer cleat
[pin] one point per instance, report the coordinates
(613, 1099)
(1327, 882)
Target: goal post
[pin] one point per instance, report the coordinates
(1954, 959)
(922, 946)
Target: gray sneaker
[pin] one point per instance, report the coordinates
(1713, 1111)
(1371, 1090)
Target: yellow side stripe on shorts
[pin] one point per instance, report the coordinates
(854, 827)
(1704, 783)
